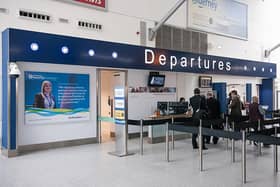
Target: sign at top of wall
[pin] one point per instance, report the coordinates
(99, 4)
(228, 18)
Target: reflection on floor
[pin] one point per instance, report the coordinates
(91, 165)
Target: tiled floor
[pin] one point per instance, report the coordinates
(91, 165)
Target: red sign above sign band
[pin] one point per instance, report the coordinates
(99, 3)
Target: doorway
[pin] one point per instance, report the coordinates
(108, 79)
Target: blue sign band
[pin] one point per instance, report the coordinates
(108, 54)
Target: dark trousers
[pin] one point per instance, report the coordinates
(194, 142)
(218, 125)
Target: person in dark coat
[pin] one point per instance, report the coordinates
(213, 109)
(256, 113)
(254, 110)
(197, 102)
(235, 107)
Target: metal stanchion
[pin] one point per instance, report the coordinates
(99, 132)
(233, 146)
(167, 141)
(227, 130)
(275, 151)
(243, 156)
(141, 137)
(200, 139)
(259, 143)
(172, 136)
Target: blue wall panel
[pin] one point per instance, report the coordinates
(13, 114)
(5, 60)
(266, 93)
(249, 93)
(221, 89)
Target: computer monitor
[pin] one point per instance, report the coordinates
(162, 106)
(182, 107)
(156, 80)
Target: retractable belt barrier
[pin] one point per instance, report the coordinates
(205, 131)
(142, 123)
(188, 125)
(148, 122)
(233, 135)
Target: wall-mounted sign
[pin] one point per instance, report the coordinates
(99, 4)
(223, 17)
(56, 97)
(205, 82)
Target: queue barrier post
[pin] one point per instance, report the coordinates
(227, 128)
(172, 136)
(275, 151)
(233, 146)
(259, 143)
(141, 136)
(167, 141)
(243, 156)
(200, 146)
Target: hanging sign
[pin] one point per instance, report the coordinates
(224, 17)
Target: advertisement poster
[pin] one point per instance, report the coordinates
(227, 18)
(56, 97)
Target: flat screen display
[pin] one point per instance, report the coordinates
(156, 80)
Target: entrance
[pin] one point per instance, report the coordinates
(108, 81)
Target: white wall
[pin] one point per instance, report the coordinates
(35, 134)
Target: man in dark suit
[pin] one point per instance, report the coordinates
(197, 102)
(213, 108)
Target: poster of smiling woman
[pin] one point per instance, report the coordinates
(56, 97)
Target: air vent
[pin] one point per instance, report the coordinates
(3, 10)
(63, 20)
(34, 16)
(89, 25)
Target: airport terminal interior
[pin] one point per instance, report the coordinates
(139, 93)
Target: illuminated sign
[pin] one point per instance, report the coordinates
(186, 62)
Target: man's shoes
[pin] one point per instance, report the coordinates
(205, 148)
(195, 147)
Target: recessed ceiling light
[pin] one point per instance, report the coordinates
(64, 50)
(34, 46)
(91, 52)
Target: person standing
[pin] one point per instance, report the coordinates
(235, 107)
(213, 108)
(255, 113)
(197, 102)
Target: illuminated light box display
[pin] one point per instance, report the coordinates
(56, 97)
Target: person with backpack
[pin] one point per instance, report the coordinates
(197, 102)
